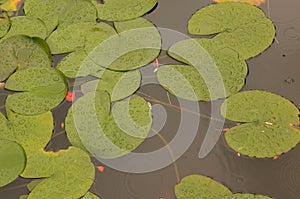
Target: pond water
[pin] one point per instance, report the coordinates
(276, 70)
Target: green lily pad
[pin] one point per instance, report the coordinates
(23, 197)
(139, 45)
(48, 11)
(21, 52)
(101, 134)
(213, 71)
(69, 38)
(78, 11)
(42, 89)
(269, 124)
(78, 63)
(246, 196)
(69, 172)
(12, 160)
(200, 187)
(4, 25)
(239, 26)
(115, 10)
(90, 195)
(29, 26)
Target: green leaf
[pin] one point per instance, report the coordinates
(12, 161)
(29, 26)
(246, 196)
(269, 128)
(239, 26)
(78, 63)
(43, 89)
(4, 25)
(213, 71)
(21, 52)
(200, 187)
(48, 11)
(137, 46)
(33, 184)
(78, 11)
(90, 195)
(69, 38)
(101, 134)
(115, 10)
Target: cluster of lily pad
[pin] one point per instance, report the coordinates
(119, 121)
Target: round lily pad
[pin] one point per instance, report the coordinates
(77, 11)
(200, 187)
(12, 160)
(40, 90)
(29, 26)
(21, 52)
(269, 119)
(100, 134)
(239, 26)
(4, 25)
(115, 10)
(139, 45)
(213, 71)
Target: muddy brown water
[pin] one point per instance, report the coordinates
(276, 70)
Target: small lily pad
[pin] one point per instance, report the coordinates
(100, 134)
(78, 11)
(90, 195)
(213, 71)
(29, 26)
(42, 89)
(200, 187)
(139, 45)
(21, 52)
(239, 26)
(48, 11)
(115, 10)
(12, 161)
(69, 38)
(4, 25)
(269, 124)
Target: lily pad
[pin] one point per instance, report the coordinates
(48, 11)
(40, 90)
(246, 196)
(90, 195)
(12, 160)
(239, 26)
(69, 38)
(4, 25)
(21, 52)
(11, 5)
(269, 124)
(100, 134)
(29, 26)
(78, 11)
(137, 44)
(200, 187)
(115, 10)
(78, 63)
(213, 71)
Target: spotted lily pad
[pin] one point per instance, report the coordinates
(137, 44)
(4, 25)
(29, 26)
(269, 128)
(99, 132)
(212, 72)
(118, 84)
(239, 26)
(12, 161)
(21, 52)
(200, 187)
(78, 11)
(48, 11)
(40, 90)
(78, 63)
(115, 10)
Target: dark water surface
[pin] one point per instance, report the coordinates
(276, 70)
